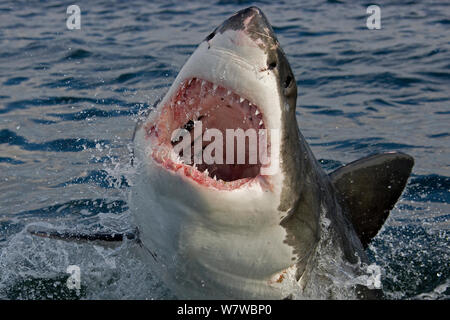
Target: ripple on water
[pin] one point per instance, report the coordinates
(69, 100)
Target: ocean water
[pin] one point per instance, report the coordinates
(69, 100)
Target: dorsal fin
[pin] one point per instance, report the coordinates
(369, 188)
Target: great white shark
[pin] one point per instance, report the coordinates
(235, 231)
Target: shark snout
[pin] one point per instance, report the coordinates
(253, 23)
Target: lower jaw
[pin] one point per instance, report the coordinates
(201, 178)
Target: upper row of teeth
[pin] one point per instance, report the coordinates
(215, 86)
(241, 100)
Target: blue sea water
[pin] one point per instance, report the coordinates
(69, 100)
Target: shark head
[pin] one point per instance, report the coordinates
(237, 79)
(208, 205)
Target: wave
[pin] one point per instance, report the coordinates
(59, 145)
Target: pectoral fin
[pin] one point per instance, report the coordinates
(106, 239)
(69, 235)
(369, 188)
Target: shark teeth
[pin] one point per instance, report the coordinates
(201, 101)
(251, 114)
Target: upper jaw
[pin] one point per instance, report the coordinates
(242, 70)
(241, 55)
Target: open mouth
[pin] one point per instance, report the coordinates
(196, 107)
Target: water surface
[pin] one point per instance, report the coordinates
(69, 100)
